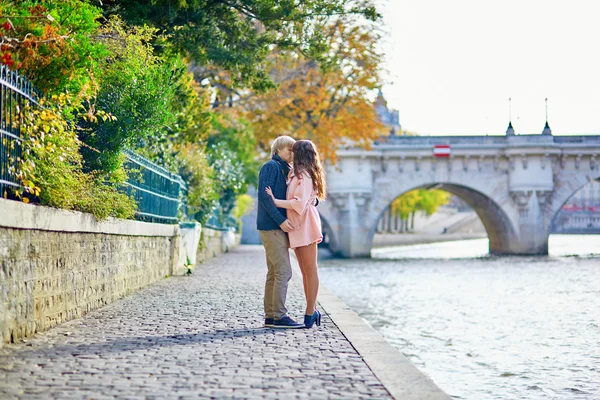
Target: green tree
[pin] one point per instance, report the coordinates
(404, 205)
(243, 205)
(229, 177)
(137, 88)
(51, 166)
(236, 134)
(423, 200)
(198, 174)
(238, 35)
(431, 200)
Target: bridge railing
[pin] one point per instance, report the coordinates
(431, 140)
(583, 139)
(486, 140)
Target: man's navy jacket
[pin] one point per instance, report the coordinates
(273, 174)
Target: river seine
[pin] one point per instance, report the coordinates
(481, 326)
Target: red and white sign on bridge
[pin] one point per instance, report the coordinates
(441, 150)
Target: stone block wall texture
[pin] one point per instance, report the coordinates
(56, 265)
(213, 244)
(51, 277)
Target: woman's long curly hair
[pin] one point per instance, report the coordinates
(306, 159)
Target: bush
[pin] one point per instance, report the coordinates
(192, 126)
(237, 136)
(51, 166)
(137, 88)
(244, 203)
(199, 176)
(229, 177)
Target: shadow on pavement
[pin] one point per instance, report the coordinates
(118, 345)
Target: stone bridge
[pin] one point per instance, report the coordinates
(517, 185)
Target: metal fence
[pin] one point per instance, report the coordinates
(15, 93)
(157, 191)
(221, 221)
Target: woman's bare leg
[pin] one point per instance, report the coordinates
(308, 255)
(301, 264)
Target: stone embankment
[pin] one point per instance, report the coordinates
(57, 265)
(406, 239)
(201, 336)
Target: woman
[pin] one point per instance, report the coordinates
(306, 181)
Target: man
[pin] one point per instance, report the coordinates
(273, 225)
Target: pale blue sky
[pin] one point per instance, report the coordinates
(453, 64)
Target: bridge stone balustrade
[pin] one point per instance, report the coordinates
(516, 185)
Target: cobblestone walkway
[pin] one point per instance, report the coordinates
(190, 337)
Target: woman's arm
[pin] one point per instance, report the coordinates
(300, 198)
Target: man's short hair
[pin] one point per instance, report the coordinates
(281, 143)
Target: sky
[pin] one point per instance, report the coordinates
(452, 65)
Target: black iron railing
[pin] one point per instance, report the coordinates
(15, 94)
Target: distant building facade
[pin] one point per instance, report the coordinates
(586, 199)
(389, 117)
(581, 214)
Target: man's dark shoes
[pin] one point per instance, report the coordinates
(286, 323)
(269, 322)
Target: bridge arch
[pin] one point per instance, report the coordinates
(498, 225)
(515, 184)
(329, 234)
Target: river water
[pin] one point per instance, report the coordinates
(481, 326)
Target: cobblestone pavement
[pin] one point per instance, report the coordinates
(190, 337)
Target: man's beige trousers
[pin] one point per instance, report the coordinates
(279, 272)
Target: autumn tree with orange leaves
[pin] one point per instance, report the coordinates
(330, 105)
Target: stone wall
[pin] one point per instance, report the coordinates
(57, 265)
(215, 242)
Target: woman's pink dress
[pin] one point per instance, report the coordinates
(303, 214)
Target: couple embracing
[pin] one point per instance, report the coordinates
(289, 188)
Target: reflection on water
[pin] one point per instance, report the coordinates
(485, 327)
